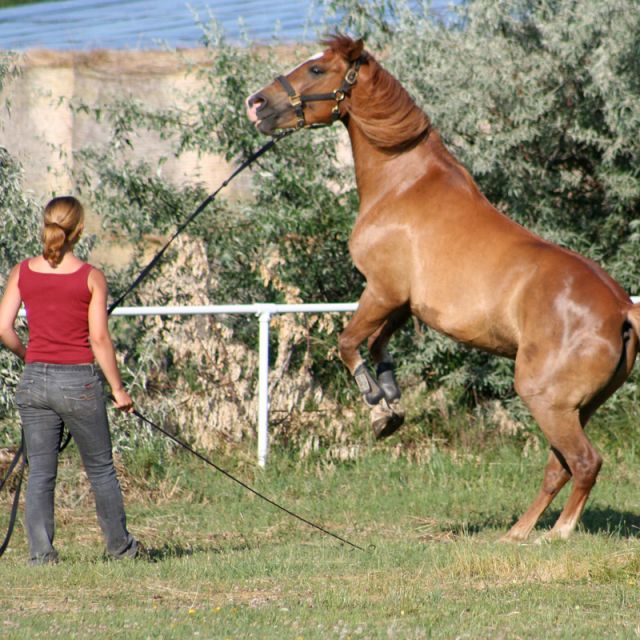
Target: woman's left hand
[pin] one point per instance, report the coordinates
(122, 400)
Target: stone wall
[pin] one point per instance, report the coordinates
(41, 130)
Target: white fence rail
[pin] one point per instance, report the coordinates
(263, 312)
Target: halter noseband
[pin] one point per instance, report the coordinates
(298, 101)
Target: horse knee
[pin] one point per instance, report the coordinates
(347, 346)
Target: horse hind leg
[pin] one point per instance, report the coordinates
(573, 456)
(556, 475)
(584, 463)
(572, 448)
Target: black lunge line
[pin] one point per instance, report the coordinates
(19, 457)
(143, 274)
(184, 445)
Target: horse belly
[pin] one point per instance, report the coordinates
(472, 326)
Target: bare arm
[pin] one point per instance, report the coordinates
(100, 339)
(9, 307)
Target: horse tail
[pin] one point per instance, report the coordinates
(633, 318)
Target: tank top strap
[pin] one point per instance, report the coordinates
(85, 269)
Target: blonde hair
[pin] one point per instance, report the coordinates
(63, 223)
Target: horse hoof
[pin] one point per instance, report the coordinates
(386, 419)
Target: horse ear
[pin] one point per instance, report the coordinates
(356, 50)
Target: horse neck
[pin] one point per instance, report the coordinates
(378, 171)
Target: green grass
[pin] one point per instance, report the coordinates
(228, 565)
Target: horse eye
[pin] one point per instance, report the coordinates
(316, 70)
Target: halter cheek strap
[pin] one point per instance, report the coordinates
(295, 99)
(298, 101)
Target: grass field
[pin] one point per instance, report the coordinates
(225, 564)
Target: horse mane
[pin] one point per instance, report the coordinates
(384, 110)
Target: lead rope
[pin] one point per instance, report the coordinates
(250, 160)
(184, 445)
(20, 453)
(16, 498)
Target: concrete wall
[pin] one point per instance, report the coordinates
(42, 132)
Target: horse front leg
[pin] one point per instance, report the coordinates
(377, 322)
(378, 342)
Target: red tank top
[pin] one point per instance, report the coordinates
(57, 306)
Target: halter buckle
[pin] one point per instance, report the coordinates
(295, 100)
(339, 95)
(351, 76)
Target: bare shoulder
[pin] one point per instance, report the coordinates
(15, 271)
(96, 279)
(10, 299)
(13, 277)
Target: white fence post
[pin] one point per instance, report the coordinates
(263, 383)
(264, 312)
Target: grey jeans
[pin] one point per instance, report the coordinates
(50, 396)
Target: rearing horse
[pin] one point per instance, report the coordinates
(430, 244)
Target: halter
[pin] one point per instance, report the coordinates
(298, 101)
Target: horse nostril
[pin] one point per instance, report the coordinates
(257, 102)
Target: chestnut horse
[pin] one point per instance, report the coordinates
(430, 244)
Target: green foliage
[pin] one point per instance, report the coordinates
(540, 100)
(17, 241)
(546, 116)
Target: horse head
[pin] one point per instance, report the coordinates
(316, 92)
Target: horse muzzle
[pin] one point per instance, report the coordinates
(268, 115)
(254, 104)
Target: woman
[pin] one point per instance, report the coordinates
(66, 302)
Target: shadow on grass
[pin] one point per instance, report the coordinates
(172, 551)
(597, 520)
(611, 521)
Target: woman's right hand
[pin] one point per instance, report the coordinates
(122, 400)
